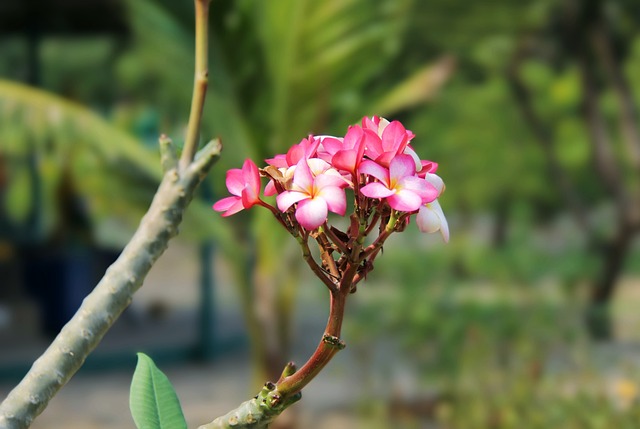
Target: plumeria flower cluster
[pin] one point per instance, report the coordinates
(374, 162)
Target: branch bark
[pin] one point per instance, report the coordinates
(102, 307)
(111, 296)
(544, 136)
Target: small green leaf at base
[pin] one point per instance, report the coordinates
(152, 399)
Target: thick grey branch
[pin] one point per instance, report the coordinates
(111, 296)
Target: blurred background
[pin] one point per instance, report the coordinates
(528, 318)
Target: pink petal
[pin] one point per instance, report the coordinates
(312, 213)
(385, 159)
(353, 138)
(404, 200)
(345, 160)
(251, 176)
(376, 190)
(232, 205)
(278, 161)
(423, 188)
(225, 203)
(235, 181)
(302, 177)
(373, 145)
(401, 166)
(311, 146)
(409, 151)
(317, 166)
(373, 169)
(335, 198)
(394, 138)
(249, 197)
(371, 123)
(289, 198)
(435, 181)
(333, 180)
(295, 154)
(370, 138)
(270, 189)
(428, 166)
(331, 145)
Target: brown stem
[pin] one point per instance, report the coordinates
(317, 270)
(335, 239)
(329, 345)
(326, 249)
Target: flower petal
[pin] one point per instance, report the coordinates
(409, 151)
(317, 166)
(394, 138)
(335, 198)
(278, 161)
(436, 181)
(232, 205)
(405, 201)
(225, 203)
(374, 169)
(346, 160)
(329, 179)
(427, 220)
(302, 176)
(249, 197)
(353, 138)
(401, 166)
(235, 181)
(251, 176)
(430, 218)
(422, 187)
(289, 198)
(376, 190)
(332, 144)
(312, 213)
(270, 189)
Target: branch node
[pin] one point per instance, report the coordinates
(168, 153)
(333, 341)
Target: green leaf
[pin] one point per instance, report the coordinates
(153, 402)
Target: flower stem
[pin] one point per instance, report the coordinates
(329, 345)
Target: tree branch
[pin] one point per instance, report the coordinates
(601, 40)
(102, 307)
(201, 80)
(543, 136)
(605, 160)
(111, 296)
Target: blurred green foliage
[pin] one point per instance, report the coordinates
(484, 317)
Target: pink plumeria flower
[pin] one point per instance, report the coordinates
(244, 185)
(398, 184)
(393, 139)
(430, 218)
(347, 153)
(315, 195)
(306, 149)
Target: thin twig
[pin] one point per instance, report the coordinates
(317, 270)
(201, 80)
